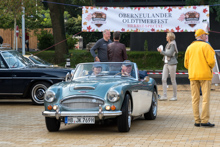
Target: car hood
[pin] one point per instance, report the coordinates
(91, 86)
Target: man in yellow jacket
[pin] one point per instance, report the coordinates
(200, 60)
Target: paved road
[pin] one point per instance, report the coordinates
(22, 125)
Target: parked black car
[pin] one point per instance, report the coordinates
(20, 78)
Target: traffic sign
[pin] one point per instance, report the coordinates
(17, 31)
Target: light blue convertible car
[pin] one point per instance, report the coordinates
(98, 91)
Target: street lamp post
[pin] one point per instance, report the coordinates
(23, 30)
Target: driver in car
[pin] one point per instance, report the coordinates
(97, 68)
(126, 70)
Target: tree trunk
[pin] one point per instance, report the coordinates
(57, 18)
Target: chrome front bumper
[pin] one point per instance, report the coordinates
(59, 114)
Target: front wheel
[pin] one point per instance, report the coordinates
(37, 92)
(53, 125)
(124, 121)
(152, 114)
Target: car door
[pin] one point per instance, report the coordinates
(21, 80)
(13, 75)
(142, 96)
(5, 78)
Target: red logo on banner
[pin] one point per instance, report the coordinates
(99, 18)
(192, 18)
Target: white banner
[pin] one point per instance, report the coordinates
(145, 19)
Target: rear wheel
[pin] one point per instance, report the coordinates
(37, 92)
(124, 121)
(152, 114)
(53, 125)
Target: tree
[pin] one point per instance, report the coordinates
(12, 10)
(74, 11)
(57, 18)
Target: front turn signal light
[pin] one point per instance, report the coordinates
(113, 107)
(49, 107)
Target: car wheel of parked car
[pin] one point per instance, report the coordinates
(124, 121)
(37, 92)
(152, 114)
(52, 124)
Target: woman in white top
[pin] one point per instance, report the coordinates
(170, 64)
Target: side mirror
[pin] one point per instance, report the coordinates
(68, 77)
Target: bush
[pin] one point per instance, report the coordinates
(45, 40)
(145, 60)
(145, 45)
(71, 42)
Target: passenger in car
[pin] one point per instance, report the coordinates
(97, 68)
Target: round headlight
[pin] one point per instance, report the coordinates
(113, 96)
(49, 96)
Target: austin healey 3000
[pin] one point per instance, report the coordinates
(101, 90)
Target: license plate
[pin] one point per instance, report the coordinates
(79, 120)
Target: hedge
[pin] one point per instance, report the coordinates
(146, 60)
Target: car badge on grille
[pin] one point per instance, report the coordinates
(83, 91)
(94, 100)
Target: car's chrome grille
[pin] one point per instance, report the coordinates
(81, 102)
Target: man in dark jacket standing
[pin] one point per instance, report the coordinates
(116, 51)
(101, 46)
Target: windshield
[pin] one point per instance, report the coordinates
(14, 59)
(106, 69)
(37, 60)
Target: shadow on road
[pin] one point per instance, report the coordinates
(15, 102)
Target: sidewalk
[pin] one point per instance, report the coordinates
(22, 124)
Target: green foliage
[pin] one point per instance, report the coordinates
(45, 39)
(75, 11)
(80, 56)
(73, 24)
(71, 42)
(12, 10)
(7, 21)
(46, 23)
(215, 8)
(47, 55)
(145, 60)
(90, 37)
(145, 45)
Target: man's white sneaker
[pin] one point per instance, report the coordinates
(173, 99)
(162, 98)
